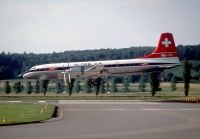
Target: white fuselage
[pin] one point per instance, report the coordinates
(94, 69)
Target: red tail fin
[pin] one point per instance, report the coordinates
(166, 47)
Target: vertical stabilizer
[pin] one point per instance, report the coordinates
(165, 48)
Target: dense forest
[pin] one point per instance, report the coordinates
(12, 64)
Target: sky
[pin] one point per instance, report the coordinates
(45, 26)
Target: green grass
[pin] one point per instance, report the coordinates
(164, 95)
(134, 94)
(24, 113)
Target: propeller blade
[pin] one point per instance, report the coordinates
(65, 78)
(69, 77)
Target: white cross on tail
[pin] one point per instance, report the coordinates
(166, 42)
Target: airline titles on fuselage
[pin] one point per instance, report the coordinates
(86, 64)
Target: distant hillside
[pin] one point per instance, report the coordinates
(12, 64)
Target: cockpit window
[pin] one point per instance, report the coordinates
(33, 68)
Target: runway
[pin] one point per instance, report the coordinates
(114, 120)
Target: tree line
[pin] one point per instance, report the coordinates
(12, 64)
(58, 86)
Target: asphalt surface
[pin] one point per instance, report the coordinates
(114, 120)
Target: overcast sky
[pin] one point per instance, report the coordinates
(44, 26)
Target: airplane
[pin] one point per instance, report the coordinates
(163, 57)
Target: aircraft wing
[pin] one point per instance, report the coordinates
(100, 69)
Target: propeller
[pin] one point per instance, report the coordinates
(65, 80)
(67, 74)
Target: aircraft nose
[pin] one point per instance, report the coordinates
(26, 76)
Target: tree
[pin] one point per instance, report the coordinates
(37, 86)
(102, 86)
(97, 83)
(113, 86)
(7, 87)
(142, 83)
(59, 86)
(107, 86)
(88, 86)
(169, 76)
(77, 87)
(17, 87)
(70, 85)
(135, 78)
(154, 82)
(44, 86)
(173, 83)
(126, 84)
(29, 87)
(21, 87)
(186, 77)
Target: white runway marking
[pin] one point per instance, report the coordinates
(106, 102)
(131, 109)
(13, 101)
(41, 101)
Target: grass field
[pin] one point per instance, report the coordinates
(24, 113)
(133, 94)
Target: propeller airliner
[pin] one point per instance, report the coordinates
(163, 57)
